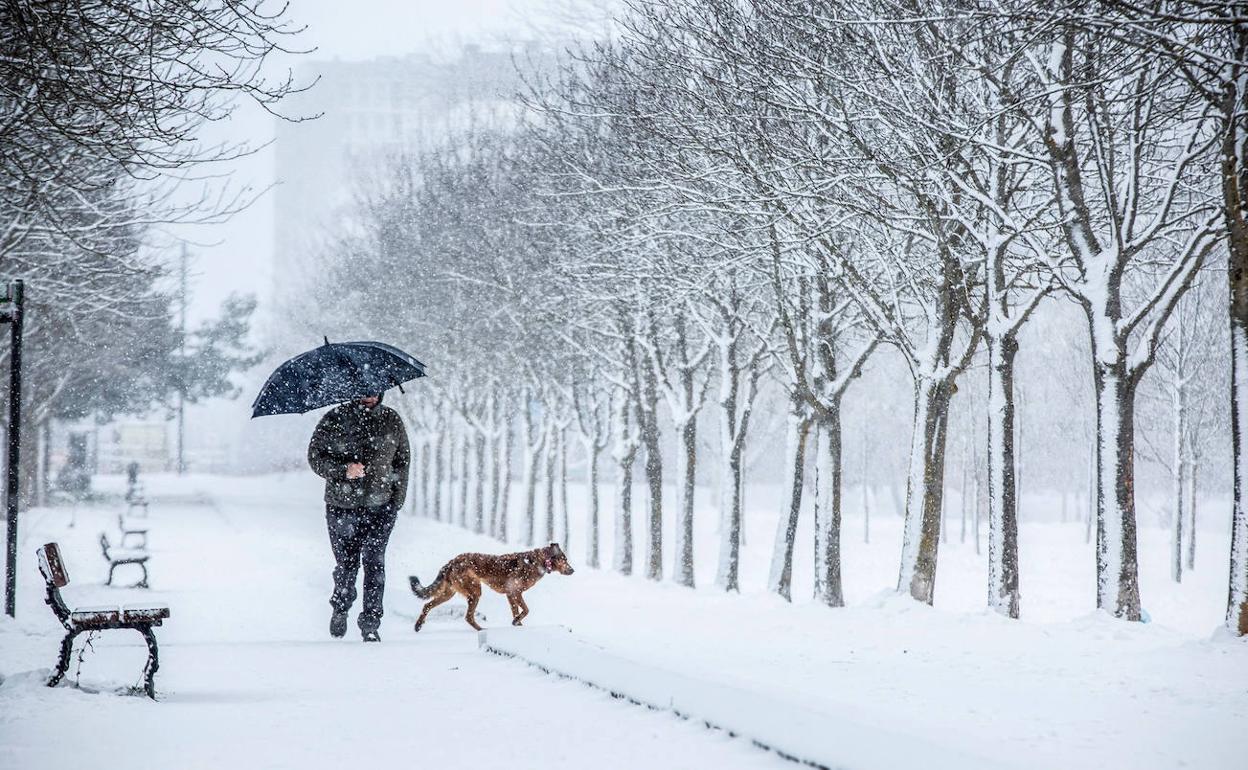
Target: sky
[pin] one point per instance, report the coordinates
(237, 255)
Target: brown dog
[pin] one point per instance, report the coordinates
(510, 574)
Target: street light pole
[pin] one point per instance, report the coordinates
(182, 368)
(12, 314)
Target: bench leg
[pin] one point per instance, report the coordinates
(142, 583)
(153, 662)
(111, 567)
(62, 664)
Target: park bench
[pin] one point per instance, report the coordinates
(141, 618)
(137, 508)
(119, 556)
(132, 527)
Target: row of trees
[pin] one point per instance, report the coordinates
(101, 107)
(729, 196)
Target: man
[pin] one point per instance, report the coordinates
(361, 451)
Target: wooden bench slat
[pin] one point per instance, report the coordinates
(88, 617)
(144, 614)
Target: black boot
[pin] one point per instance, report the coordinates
(338, 624)
(371, 636)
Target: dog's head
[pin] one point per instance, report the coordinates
(556, 560)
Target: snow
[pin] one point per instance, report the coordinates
(250, 678)
(808, 735)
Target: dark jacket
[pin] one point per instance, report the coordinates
(355, 434)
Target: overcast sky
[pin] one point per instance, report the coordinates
(237, 255)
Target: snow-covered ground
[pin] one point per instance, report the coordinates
(249, 677)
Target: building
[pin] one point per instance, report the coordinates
(370, 111)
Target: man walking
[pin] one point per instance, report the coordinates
(361, 451)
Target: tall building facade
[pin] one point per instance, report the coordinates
(369, 111)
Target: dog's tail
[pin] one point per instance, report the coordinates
(424, 592)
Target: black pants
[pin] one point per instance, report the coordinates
(360, 535)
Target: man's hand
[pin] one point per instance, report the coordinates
(355, 470)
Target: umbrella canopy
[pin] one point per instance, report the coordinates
(334, 373)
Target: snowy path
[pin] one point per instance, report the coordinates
(250, 679)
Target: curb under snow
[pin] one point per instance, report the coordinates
(798, 733)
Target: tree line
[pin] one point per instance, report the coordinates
(102, 107)
(725, 196)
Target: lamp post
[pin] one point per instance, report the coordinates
(11, 312)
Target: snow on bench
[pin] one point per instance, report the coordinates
(815, 737)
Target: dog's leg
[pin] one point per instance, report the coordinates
(515, 609)
(524, 609)
(444, 595)
(473, 593)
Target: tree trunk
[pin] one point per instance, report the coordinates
(465, 452)
(728, 571)
(592, 533)
(478, 513)
(688, 461)
(1234, 152)
(492, 457)
(1117, 573)
(828, 472)
(532, 456)
(45, 464)
(1180, 480)
(564, 530)
(728, 576)
(624, 520)
(452, 476)
(625, 455)
(1237, 594)
(781, 577)
(426, 478)
(654, 473)
(552, 462)
(492, 469)
(439, 474)
(925, 490)
(504, 474)
(1002, 502)
(1191, 514)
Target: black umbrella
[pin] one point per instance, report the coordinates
(334, 373)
